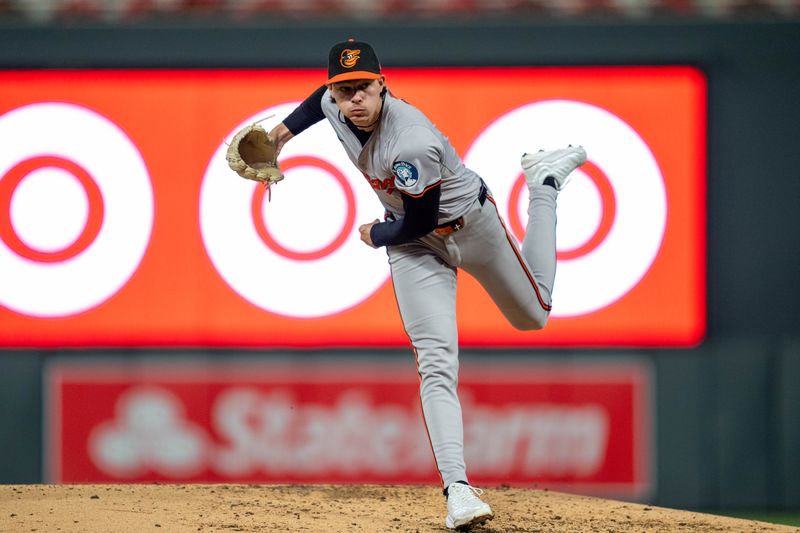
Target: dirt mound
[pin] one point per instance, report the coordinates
(225, 508)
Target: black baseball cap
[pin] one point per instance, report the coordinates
(352, 60)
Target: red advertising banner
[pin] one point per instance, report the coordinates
(580, 428)
(125, 227)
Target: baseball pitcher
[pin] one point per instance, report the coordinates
(440, 216)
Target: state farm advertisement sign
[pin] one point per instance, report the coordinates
(124, 225)
(585, 429)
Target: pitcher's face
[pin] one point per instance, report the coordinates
(359, 100)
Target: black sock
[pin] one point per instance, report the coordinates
(459, 481)
(551, 181)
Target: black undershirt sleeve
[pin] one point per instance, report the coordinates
(308, 113)
(422, 214)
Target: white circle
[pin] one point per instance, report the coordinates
(90, 278)
(286, 218)
(267, 279)
(596, 280)
(49, 209)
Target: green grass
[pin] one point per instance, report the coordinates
(789, 518)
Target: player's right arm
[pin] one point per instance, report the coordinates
(308, 113)
(421, 216)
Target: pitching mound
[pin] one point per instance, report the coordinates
(225, 508)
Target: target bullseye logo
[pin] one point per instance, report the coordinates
(307, 235)
(598, 230)
(76, 211)
(10, 233)
(611, 217)
(287, 166)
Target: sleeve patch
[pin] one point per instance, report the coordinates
(405, 173)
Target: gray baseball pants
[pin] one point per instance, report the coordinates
(424, 278)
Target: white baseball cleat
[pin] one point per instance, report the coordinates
(556, 163)
(465, 508)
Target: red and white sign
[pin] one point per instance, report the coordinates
(585, 429)
(125, 227)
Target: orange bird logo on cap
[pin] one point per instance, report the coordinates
(349, 58)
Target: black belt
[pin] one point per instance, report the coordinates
(455, 225)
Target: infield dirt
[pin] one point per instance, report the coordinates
(315, 508)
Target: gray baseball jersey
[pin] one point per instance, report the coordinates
(407, 153)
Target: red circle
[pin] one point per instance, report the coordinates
(261, 228)
(94, 221)
(609, 211)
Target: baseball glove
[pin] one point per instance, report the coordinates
(253, 155)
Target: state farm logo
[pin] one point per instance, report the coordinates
(149, 434)
(611, 217)
(300, 254)
(76, 209)
(273, 434)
